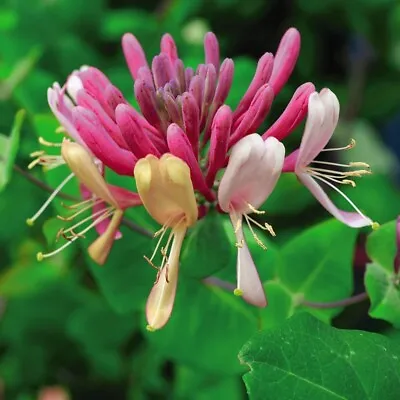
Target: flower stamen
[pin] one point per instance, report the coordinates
(351, 145)
(30, 221)
(41, 256)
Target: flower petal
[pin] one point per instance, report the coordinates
(249, 284)
(352, 219)
(253, 169)
(323, 115)
(166, 190)
(162, 296)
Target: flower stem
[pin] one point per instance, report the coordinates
(358, 298)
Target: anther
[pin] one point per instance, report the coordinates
(240, 244)
(238, 292)
(349, 182)
(254, 210)
(48, 144)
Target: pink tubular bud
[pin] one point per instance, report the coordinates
(220, 131)
(146, 98)
(261, 77)
(162, 70)
(144, 73)
(180, 75)
(96, 83)
(221, 93)
(180, 146)
(293, 114)
(196, 88)
(211, 50)
(135, 137)
(168, 47)
(258, 110)
(210, 84)
(189, 73)
(172, 108)
(285, 59)
(100, 144)
(88, 102)
(134, 54)
(191, 120)
(114, 97)
(224, 82)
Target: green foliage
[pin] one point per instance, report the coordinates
(316, 361)
(381, 280)
(8, 149)
(67, 321)
(317, 264)
(207, 249)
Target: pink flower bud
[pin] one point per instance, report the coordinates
(100, 144)
(134, 54)
(180, 146)
(285, 59)
(261, 77)
(211, 50)
(220, 131)
(137, 140)
(293, 115)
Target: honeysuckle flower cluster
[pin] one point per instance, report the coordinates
(188, 152)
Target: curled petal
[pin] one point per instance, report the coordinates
(61, 107)
(323, 116)
(134, 54)
(352, 219)
(101, 247)
(285, 59)
(249, 284)
(162, 296)
(293, 114)
(81, 164)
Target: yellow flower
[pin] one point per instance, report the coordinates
(166, 190)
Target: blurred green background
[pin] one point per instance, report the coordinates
(70, 323)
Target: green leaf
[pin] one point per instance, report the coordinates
(381, 280)
(383, 288)
(381, 245)
(306, 359)
(98, 327)
(192, 384)
(318, 264)
(206, 329)
(280, 305)
(9, 148)
(126, 279)
(207, 248)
